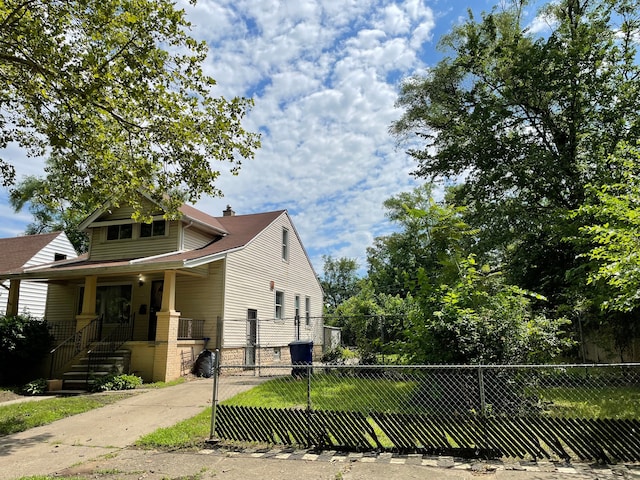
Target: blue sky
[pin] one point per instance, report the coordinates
(324, 76)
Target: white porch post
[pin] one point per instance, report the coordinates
(166, 364)
(14, 298)
(88, 302)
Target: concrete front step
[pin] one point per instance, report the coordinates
(76, 378)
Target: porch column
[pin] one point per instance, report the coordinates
(166, 364)
(14, 298)
(88, 302)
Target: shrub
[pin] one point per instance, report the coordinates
(24, 341)
(115, 382)
(35, 387)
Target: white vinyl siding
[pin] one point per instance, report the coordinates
(33, 295)
(249, 273)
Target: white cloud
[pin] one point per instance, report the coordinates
(319, 75)
(324, 78)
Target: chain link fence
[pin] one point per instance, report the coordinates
(569, 391)
(584, 411)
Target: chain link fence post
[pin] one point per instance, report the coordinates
(483, 404)
(309, 406)
(214, 400)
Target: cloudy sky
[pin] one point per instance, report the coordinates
(324, 75)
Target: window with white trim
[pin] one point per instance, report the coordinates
(285, 244)
(279, 313)
(307, 311)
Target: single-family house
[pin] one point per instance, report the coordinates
(162, 291)
(24, 252)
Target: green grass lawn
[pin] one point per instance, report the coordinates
(186, 434)
(604, 402)
(361, 394)
(19, 417)
(329, 392)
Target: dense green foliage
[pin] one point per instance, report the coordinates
(115, 382)
(51, 214)
(339, 281)
(528, 122)
(114, 92)
(478, 319)
(612, 225)
(24, 341)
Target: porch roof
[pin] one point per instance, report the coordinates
(242, 230)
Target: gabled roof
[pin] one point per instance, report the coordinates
(17, 251)
(241, 230)
(193, 214)
(189, 214)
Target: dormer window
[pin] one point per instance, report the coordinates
(155, 229)
(119, 232)
(59, 256)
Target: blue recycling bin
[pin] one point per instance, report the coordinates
(301, 354)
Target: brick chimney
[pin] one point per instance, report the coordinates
(228, 212)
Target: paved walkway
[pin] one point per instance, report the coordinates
(53, 447)
(94, 444)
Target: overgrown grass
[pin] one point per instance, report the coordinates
(19, 417)
(186, 434)
(331, 393)
(365, 395)
(582, 402)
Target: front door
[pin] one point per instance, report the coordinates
(252, 337)
(155, 306)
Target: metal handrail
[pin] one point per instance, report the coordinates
(109, 344)
(76, 343)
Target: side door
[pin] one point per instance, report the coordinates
(252, 337)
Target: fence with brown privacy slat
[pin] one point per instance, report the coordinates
(585, 412)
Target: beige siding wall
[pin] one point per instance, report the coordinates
(201, 298)
(135, 247)
(62, 303)
(250, 272)
(193, 238)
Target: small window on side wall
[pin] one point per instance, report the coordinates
(279, 313)
(285, 244)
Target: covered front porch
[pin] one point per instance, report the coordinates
(106, 311)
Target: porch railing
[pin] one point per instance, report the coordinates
(108, 345)
(61, 331)
(191, 329)
(73, 345)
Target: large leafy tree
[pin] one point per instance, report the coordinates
(339, 281)
(611, 230)
(114, 92)
(50, 212)
(525, 121)
(429, 235)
